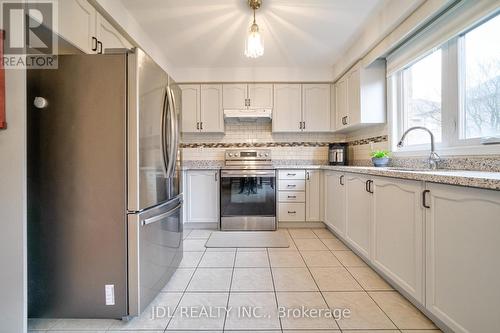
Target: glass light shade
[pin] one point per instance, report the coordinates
(254, 45)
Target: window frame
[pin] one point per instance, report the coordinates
(452, 103)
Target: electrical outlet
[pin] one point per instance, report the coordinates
(109, 291)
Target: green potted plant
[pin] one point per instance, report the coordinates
(380, 158)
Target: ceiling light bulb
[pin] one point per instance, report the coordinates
(254, 45)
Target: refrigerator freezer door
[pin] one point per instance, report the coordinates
(76, 188)
(148, 129)
(155, 251)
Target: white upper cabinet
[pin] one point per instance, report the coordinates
(211, 115)
(361, 97)
(81, 25)
(462, 266)
(77, 24)
(108, 36)
(202, 108)
(190, 112)
(398, 233)
(287, 112)
(260, 96)
(316, 107)
(302, 108)
(248, 96)
(235, 96)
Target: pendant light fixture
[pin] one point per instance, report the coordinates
(254, 44)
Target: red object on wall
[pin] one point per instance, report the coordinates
(3, 120)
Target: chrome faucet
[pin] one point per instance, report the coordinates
(434, 157)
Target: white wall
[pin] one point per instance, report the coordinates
(13, 285)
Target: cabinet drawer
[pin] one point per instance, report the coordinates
(286, 196)
(292, 185)
(292, 174)
(292, 212)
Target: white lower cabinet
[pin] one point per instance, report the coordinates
(334, 201)
(201, 190)
(398, 233)
(358, 213)
(313, 199)
(462, 265)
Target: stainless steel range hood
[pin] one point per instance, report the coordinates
(248, 114)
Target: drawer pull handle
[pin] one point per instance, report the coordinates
(292, 196)
(291, 174)
(291, 185)
(294, 212)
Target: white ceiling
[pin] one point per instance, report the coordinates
(211, 34)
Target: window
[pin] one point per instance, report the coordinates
(454, 91)
(422, 98)
(481, 94)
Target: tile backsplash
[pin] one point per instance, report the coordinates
(255, 132)
(284, 146)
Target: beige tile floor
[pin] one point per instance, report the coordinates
(316, 271)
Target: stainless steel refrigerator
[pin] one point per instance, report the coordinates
(104, 206)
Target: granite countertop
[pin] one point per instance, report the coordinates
(479, 179)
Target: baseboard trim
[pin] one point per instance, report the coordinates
(202, 225)
(304, 224)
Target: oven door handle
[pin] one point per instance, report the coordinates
(245, 174)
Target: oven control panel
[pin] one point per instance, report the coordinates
(249, 155)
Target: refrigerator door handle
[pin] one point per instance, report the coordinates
(161, 216)
(178, 131)
(173, 135)
(163, 134)
(171, 129)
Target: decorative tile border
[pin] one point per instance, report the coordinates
(254, 145)
(375, 139)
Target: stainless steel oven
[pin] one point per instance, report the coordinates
(248, 191)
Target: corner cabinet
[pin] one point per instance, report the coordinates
(361, 97)
(202, 108)
(201, 190)
(334, 201)
(462, 265)
(398, 232)
(316, 107)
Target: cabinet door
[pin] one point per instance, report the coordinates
(109, 36)
(353, 98)
(202, 196)
(313, 200)
(287, 112)
(335, 201)
(235, 96)
(77, 23)
(358, 213)
(398, 233)
(340, 103)
(212, 116)
(190, 113)
(261, 96)
(316, 107)
(462, 266)
(333, 105)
